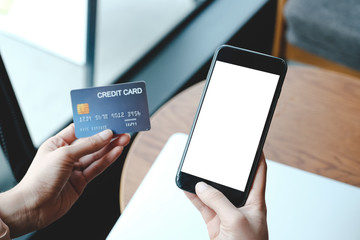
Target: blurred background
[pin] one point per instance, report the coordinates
(52, 47)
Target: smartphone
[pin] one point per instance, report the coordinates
(229, 130)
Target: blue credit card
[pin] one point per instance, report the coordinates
(123, 108)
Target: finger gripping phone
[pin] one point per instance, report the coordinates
(229, 130)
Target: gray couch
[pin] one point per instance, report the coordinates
(327, 28)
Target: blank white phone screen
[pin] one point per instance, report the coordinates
(229, 126)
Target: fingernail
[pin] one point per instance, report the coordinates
(201, 187)
(124, 139)
(3, 230)
(106, 134)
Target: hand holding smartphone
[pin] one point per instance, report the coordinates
(232, 121)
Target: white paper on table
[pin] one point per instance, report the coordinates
(301, 205)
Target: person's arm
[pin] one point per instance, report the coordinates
(56, 178)
(224, 220)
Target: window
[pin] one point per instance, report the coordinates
(43, 44)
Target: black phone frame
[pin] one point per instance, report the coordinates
(249, 59)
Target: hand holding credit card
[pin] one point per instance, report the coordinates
(122, 108)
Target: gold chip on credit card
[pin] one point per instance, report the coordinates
(83, 108)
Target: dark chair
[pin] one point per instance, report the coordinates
(324, 33)
(15, 139)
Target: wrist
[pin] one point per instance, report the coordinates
(15, 212)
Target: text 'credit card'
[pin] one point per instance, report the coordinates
(123, 108)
